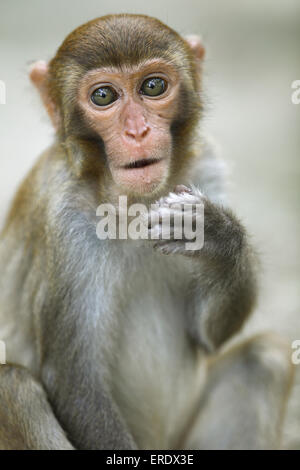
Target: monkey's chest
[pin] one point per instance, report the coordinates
(157, 374)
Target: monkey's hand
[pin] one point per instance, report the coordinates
(186, 222)
(175, 222)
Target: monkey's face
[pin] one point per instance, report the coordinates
(132, 110)
(132, 83)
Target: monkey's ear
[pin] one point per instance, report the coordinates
(38, 75)
(195, 43)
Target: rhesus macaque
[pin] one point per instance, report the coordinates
(113, 344)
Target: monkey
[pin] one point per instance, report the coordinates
(121, 343)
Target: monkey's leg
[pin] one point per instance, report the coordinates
(243, 404)
(26, 418)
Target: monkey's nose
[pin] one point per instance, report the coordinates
(137, 133)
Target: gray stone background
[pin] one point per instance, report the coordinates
(253, 55)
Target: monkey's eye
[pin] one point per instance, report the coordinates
(153, 86)
(104, 96)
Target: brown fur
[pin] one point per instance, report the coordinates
(114, 335)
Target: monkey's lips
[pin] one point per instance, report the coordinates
(142, 175)
(142, 163)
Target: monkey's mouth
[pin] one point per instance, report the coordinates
(142, 175)
(142, 163)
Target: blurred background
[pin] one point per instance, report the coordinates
(253, 56)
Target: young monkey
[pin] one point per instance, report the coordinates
(109, 341)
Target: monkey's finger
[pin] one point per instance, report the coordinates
(181, 188)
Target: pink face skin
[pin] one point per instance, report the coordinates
(136, 127)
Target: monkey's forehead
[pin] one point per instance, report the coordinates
(117, 40)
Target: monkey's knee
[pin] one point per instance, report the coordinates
(16, 384)
(266, 368)
(244, 401)
(17, 388)
(267, 361)
(262, 365)
(26, 418)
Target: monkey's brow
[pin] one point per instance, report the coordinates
(143, 66)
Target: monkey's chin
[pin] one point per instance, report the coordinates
(144, 180)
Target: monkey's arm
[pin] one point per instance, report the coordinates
(223, 288)
(225, 281)
(26, 418)
(225, 278)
